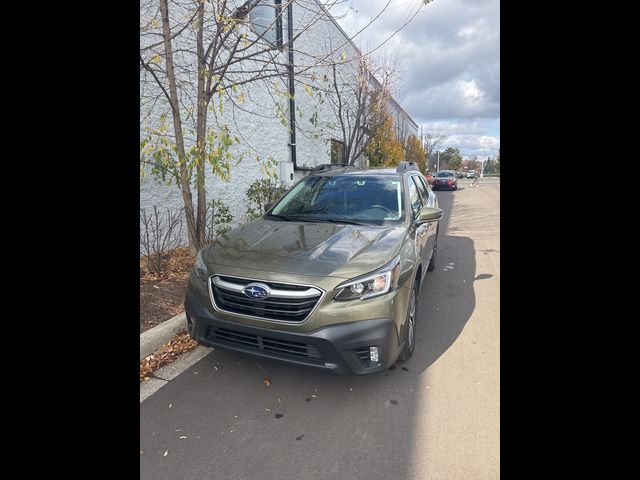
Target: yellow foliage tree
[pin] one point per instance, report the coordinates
(416, 152)
(383, 149)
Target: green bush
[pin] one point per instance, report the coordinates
(219, 219)
(261, 193)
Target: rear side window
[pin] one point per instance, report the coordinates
(421, 187)
(414, 197)
(428, 194)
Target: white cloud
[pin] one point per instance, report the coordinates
(470, 90)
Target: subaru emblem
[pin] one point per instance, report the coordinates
(257, 291)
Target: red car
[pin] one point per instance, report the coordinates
(445, 179)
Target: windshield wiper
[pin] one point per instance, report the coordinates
(335, 220)
(301, 217)
(291, 218)
(281, 217)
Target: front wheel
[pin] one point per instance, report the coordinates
(410, 329)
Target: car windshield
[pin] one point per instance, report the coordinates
(360, 199)
(444, 174)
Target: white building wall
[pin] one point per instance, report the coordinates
(256, 122)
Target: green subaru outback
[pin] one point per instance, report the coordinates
(328, 278)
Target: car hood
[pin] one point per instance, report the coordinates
(324, 249)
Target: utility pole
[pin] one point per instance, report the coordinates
(438, 167)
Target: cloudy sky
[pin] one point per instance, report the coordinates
(449, 58)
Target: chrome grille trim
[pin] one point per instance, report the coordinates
(299, 295)
(310, 292)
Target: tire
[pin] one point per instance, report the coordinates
(410, 329)
(432, 263)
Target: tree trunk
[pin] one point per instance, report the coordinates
(201, 135)
(184, 179)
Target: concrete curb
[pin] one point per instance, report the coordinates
(157, 336)
(166, 374)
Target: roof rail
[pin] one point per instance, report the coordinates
(329, 166)
(404, 166)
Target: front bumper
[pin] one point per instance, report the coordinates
(443, 185)
(339, 348)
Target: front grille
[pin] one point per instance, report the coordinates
(274, 347)
(287, 303)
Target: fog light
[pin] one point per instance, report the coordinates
(373, 354)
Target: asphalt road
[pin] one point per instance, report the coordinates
(433, 417)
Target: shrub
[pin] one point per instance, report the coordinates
(219, 220)
(160, 236)
(261, 193)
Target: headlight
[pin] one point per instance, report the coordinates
(378, 282)
(200, 268)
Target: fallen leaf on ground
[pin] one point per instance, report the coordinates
(266, 381)
(167, 354)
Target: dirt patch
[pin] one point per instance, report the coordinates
(163, 298)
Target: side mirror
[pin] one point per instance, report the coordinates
(430, 214)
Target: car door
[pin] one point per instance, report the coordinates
(421, 231)
(429, 199)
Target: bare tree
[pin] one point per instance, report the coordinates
(160, 236)
(228, 43)
(350, 94)
(431, 143)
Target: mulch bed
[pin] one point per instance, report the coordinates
(160, 299)
(163, 298)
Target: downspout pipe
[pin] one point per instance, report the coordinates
(292, 90)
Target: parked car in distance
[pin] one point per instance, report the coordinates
(471, 174)
(328, 278)
(459, 174)
(445, 179)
